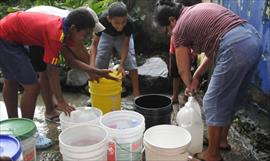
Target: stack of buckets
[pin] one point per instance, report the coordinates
(81, 137)
(84, 143)
(24, 130)
(118, 138)
(106, 94)
(166, 142)
(126, 135)
(120, 134)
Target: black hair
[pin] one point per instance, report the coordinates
(117, 9)
(189, 2)
(81, 18)
(165, 9)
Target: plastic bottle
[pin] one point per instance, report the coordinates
(189, 117)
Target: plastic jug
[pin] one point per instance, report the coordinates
(189, 117)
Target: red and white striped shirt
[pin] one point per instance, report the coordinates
(201, 26)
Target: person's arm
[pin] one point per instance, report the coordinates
(81, 53)
(183, 64)
(204, 66)
(124, 54)
(93, 50)
(93, 72)
(55, 86)
(76, 63)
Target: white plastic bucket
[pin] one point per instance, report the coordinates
(81, 116)
(126, 132)
(166, 142)
(84, 143)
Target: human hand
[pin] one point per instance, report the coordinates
(5, 158)
(106, 74)
(121, 70)
(93, 76)
(102, 73)
(193, 87)
(64, 107)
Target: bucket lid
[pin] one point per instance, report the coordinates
(10, 147)
(21, 128)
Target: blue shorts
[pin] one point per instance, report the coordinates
(36, 54)
(106, 46)
(15, 63)
(239, 52)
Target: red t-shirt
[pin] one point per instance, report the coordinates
(172, 47)
(38, 29)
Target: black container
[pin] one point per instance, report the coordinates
(155, 108)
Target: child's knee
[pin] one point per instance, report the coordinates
(32, 89)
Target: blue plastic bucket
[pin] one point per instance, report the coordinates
(10, 147)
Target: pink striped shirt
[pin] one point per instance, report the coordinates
(201, 26)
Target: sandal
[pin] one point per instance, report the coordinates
(42, 142)
(54, 118)
(197, 157)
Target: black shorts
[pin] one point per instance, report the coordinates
(36, 54)
(173, 70)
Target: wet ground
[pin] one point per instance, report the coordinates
(52, 130)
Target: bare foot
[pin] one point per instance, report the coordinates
(204, 157)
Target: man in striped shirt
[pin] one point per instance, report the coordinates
(233, 49)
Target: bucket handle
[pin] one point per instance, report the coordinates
(114, 141)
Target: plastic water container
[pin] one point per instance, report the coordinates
(166, 142)
(84, 143)
(81, 116)
(189, 117)
(126, 132)
(25, 130)
(106, 94)
(10, 147)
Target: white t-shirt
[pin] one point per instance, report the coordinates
(49, 10)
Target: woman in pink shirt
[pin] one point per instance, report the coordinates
(233, 49)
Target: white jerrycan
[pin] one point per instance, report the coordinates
(189, 117)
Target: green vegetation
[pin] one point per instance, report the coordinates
(10, 6)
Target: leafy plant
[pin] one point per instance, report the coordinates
(137, 16)
(100, 6)
(3, 9)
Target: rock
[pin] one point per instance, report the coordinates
(154, 67)
(76, 78)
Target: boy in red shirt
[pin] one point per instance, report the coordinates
(53, 33)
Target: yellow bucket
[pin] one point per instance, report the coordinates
(106, 95)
